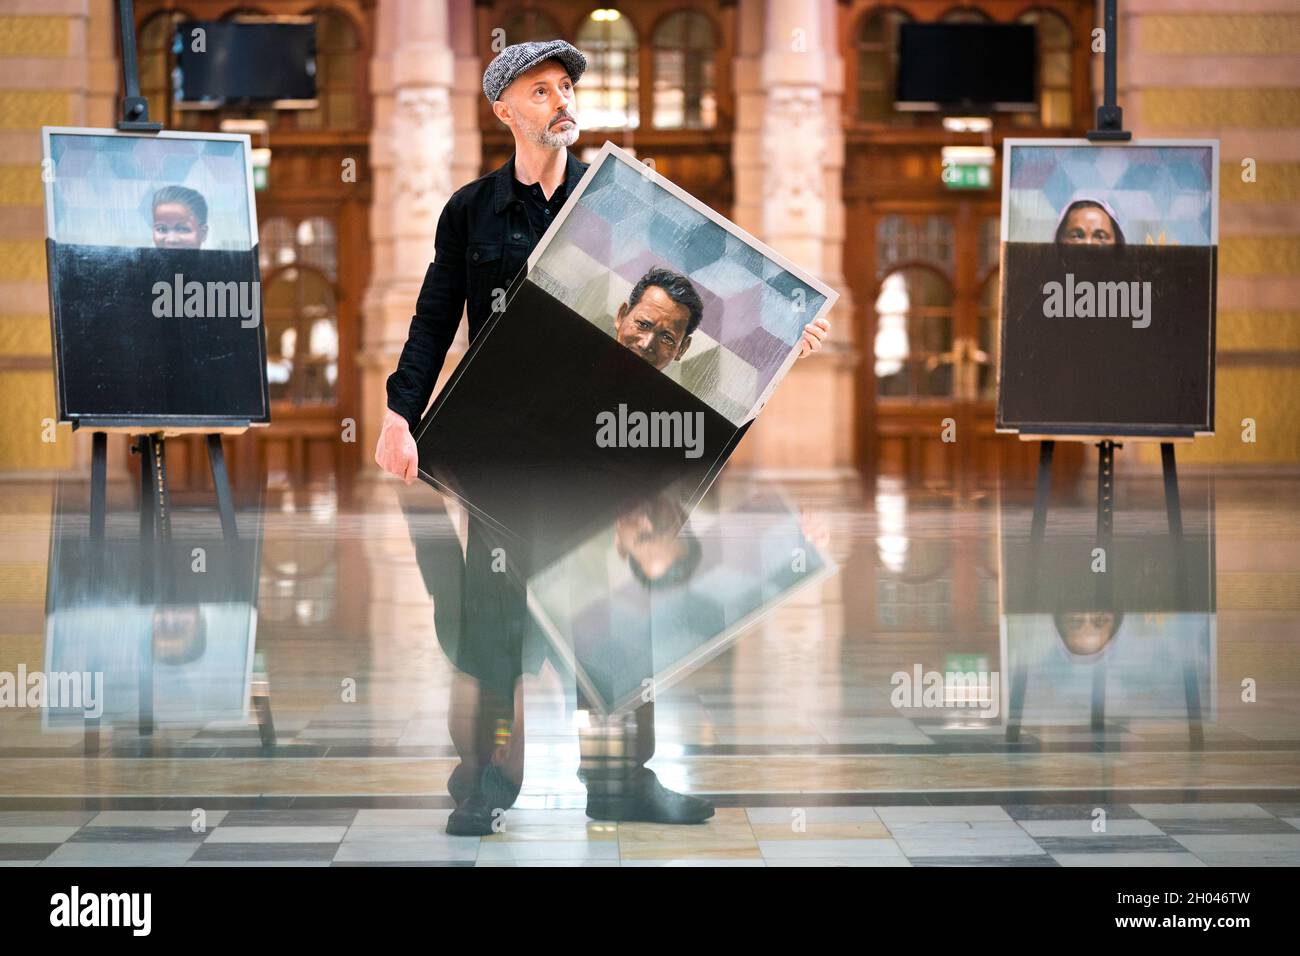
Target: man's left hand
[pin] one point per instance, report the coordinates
(814, 334)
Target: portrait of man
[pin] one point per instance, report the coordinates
(657, 320)
(711, 307)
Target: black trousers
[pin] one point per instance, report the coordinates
(485, 629)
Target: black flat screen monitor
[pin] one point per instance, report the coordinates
(985, 66)
(243, 62)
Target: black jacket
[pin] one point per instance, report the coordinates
(482, 243)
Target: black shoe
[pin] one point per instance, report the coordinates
(484, 806)
(472, 818)
(460, 785)
(498, 789)
(650, 802)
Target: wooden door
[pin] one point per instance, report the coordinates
(927, 288)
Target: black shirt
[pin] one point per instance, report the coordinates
(540, 210)
(484, 236)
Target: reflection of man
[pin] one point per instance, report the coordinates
(614, 749)
(659, 316)
(484, 627)
(180, 218)
(647, 537)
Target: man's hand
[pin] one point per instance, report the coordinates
(814, 334)
(396, 452)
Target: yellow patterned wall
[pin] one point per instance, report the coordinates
(28, 400)
(22, 260)
(1259, 331)
(1265, 394)
(1259, 256)
(1223, 34)
(26, 381)
(28, 109)
(1255, 107)
(1243, 60)
(21, 186)
(34, 36)
(1274, 182)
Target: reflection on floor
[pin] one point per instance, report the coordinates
(891, 677)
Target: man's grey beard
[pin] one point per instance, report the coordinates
(549, 138)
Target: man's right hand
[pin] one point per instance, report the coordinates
(396, 452)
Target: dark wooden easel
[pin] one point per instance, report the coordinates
(1110, 128)
(155, 509)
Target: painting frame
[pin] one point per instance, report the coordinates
(256, 411)
(1183, 427)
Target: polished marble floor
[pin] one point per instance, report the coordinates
(807, 650)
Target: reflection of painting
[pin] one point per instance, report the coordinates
(1083, 647)
(1152, 665)
(1109, 266)
(171, 190)
(667, 277)
(172, 646)
(651, 599)
(197, 659)
(155, 289)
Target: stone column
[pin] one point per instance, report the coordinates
(423, 146)
(789, 156)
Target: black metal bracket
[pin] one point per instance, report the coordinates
(1110, 117)
(135, 108)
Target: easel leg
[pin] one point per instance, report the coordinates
(1098, 698)
(154, 522)
(98, 516)
(1174, 513)
(1104, 591)
(148, 504)
(98, 484)
(1105, 491)
(1173, 505)
(220, 481)
(160, 480)
(265, 722)
(1042, 490)
(1037, 531)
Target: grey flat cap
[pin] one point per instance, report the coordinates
(522, 57)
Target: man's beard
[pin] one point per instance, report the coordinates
(548, 137)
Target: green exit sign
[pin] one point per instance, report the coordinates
(260, 176)
(965, 663)
(967, 175)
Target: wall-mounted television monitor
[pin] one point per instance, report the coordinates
(966, 66)
(253, 61)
